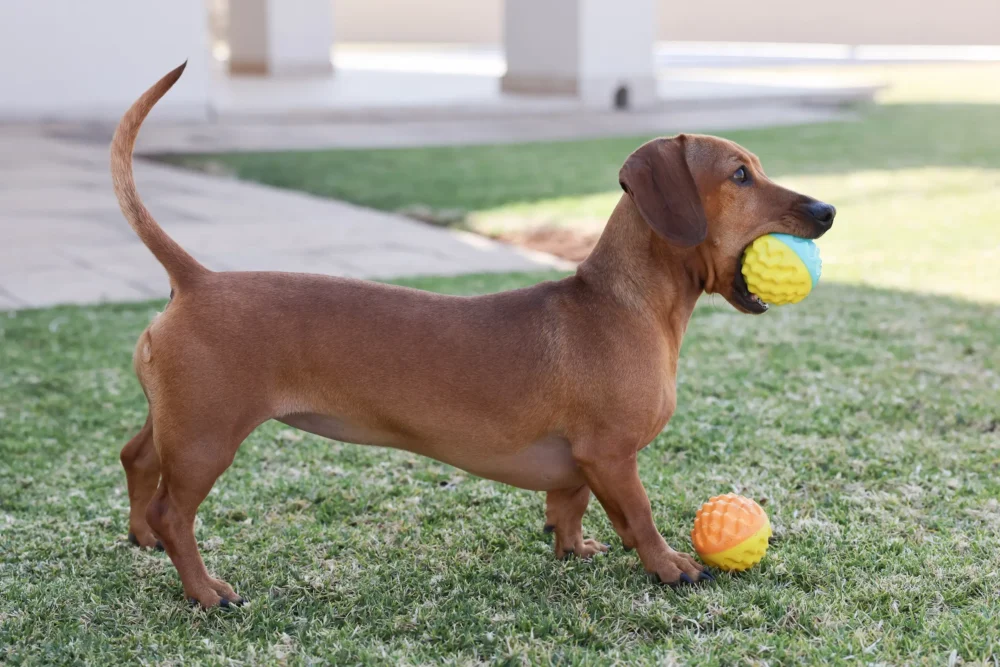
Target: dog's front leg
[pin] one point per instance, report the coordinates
(614, 479)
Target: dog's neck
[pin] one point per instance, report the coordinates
(640, 270)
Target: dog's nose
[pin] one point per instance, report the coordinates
(822, 213)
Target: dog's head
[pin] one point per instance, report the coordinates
(708, 193)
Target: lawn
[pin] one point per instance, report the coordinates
(866, 419)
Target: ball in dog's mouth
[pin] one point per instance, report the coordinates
(780, 268)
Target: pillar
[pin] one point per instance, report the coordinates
(280, 37)
(600, 51)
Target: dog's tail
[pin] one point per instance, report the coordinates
(181, 267)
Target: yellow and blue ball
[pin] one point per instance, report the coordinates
(781, 269)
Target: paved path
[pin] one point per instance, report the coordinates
(233, 135)
(63, 239)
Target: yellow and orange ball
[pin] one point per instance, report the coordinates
(731, 532)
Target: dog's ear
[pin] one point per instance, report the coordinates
(657, 178)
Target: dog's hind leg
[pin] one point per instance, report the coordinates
(564, 509)
(142, 472)
(195, 449)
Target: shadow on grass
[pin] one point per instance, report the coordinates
(470, 178)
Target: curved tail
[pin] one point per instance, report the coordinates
(181, 267)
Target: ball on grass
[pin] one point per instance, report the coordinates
(731, 532)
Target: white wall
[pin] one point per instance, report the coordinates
(967, 22)
(92, 58)
(927, 22)
(469, 21)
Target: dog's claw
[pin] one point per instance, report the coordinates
(223, 602)
(567, 553)
(135, 541)
(705, 575)
(653, 576)
(548, 528)
(686, 579)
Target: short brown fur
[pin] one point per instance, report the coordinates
(553, 388)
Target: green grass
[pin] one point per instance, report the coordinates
(916, 179)
(868, 420)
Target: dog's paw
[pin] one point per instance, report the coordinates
(147, 540)
(580, 548)
(216, 593)
(674, 568)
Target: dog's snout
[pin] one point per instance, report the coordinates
(822, 213)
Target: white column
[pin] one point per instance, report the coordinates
(280, 37)
(600, 51)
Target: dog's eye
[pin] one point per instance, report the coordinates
(741, 175)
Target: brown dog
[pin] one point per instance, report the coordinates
(552, 388)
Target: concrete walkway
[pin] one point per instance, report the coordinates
(234, 135)
(63, 239)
